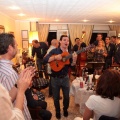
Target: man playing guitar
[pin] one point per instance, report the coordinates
(59, 77)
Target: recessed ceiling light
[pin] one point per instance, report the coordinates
(14, 7)
(111, 21)
(85, 20)
(21, 14)
(57, 20)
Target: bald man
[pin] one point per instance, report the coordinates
(54, 44)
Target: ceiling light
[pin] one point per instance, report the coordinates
(21, 14)
(14, 8)
(111, 21)
(85, 20)
(57, 20)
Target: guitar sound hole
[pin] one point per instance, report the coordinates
(57, 64)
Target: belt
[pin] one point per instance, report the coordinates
(58, 76)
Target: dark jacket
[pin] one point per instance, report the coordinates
(40, 51)
(117, 54)
(75, 47)
(31, 102)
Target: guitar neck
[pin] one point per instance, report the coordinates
(70, 56)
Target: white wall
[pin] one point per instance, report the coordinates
(21, 25)
(7, 22)
(101, 29)
(58, 27)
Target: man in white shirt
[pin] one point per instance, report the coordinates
(54, 44)
(7, 110)
(8, 76)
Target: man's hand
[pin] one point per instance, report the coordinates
(35, 97)
(25, 78)
(58, 57)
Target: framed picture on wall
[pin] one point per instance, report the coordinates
(2, 29)
(25, 44)
(24, 34)
(62, 32)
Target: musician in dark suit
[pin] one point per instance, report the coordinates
(110, 48)
(78, 44)
(60, 78)
(99, 38)
(117, 51)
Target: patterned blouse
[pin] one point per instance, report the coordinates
(98, 55)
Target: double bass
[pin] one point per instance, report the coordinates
(81, 61)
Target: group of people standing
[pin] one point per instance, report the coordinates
(104, 51)
(109, 50)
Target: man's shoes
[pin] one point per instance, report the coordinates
(58, 115)
(65, 113)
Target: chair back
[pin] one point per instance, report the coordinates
(103, 117)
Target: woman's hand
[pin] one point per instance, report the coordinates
(74, 57)
(105, 54)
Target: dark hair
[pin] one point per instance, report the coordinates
(108, 37)
(108, 85)
(6, 39)
(35, 41)
(62, 37)
(114, 37)
(100, 34)
(76, 39)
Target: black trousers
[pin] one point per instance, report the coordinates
(50, 87)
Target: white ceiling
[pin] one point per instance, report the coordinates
(67, 11)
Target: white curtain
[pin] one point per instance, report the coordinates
(43, 30)
(76, 31)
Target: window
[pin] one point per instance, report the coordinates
(94, 36)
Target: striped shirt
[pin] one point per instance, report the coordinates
(8, 78)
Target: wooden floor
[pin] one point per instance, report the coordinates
(73, 108)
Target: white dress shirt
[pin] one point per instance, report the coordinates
(7, 111)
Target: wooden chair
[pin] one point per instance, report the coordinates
(35, 113)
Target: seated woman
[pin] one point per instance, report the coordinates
(106, 101)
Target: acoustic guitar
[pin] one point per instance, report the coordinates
(57, 65)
